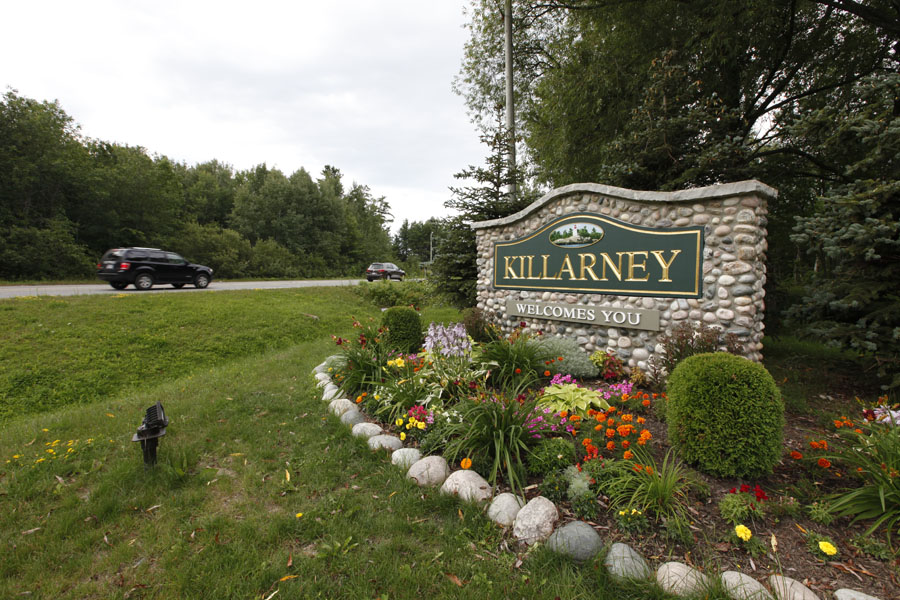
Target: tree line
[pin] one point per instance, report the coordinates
(803, 95)
(65, 199)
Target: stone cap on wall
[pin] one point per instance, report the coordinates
(737, 188)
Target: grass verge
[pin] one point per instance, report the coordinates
(256, 492)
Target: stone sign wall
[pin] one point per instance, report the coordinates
(561, 265)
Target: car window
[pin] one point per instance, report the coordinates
(390, 266)
(137, 255)
(157, 256)
(175, 259)
(113, 254)
(376, 266)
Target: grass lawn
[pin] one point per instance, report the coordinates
(257, 491)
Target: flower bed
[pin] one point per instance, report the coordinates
(508, 409)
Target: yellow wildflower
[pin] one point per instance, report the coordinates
(743, 532)
(827, 548)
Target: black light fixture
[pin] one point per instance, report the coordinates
(148, 434)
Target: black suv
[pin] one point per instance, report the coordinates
(384, 271)
(145, 266)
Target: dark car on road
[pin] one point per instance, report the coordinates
(384, 271)
(145, 267)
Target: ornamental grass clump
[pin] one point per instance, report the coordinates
(362, 358)
(725, 415)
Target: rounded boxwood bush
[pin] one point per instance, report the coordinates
(725, 415)
(404, 329)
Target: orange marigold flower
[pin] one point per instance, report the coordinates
(546, 373)
(645, 434)
(610, 433)
(655, 395)
(859, 431)
(638, 468)
(796, 455)
(641, 420)
(628, 455)
(466, 463)
(587, 442)
(559, 358)
(610, 445)
(627, 418)
(563, 414)
(645, 403)
(625, 444)
(624, 397)
(646, 396)
(575, 418)
(838, 424)
(824, 463)
(624, 430)
(598, 427)
(642, 441)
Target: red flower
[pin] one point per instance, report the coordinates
(546, 373)
(824, 463)
(518, 371)
(796, 455)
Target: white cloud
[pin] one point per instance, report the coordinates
(361, 85)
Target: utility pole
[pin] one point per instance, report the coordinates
(510, 109)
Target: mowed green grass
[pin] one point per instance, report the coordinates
(258, 492)
(56, 351)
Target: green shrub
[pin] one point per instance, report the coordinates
(575, 361)
(725, 415)
(386, 293)
(740, 507)
(554, 486)
(551, 454)
(404, 329)
(476, 325)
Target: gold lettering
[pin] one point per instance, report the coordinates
(615, 269)
(566, 267)
(545, 273)
(589, 268)
(531, 275)
(657, 254)
(632, 265)
(508, 273)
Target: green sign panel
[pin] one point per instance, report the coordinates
(590, 253)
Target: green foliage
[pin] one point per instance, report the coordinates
(608, 364)
(363, 358)
(854, 236)
(549, 455)
(384, 293)
(571, 398)
(820, 512)
(631, 519)
(404, 329)
(740, 507)
(725, 415)
(870, 546)
(24, 252)
(554, 486)
(224, 250)
(514, 362)
(662, 489)
(687, 339)
(816, 544)
(493, 429)
(476, 325)
(873, 458)
(575, 361)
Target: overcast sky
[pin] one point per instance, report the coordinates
(363, 85)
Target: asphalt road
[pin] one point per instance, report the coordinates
(15, 291)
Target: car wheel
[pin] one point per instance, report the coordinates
(118, 285)
(201, 281)
(177, 286)
(144, 281)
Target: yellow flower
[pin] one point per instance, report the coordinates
(398, 422)
(298, 515)
(621, 513)
(402, 436)
(827, 548)
(420, 425)
(743, 532)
